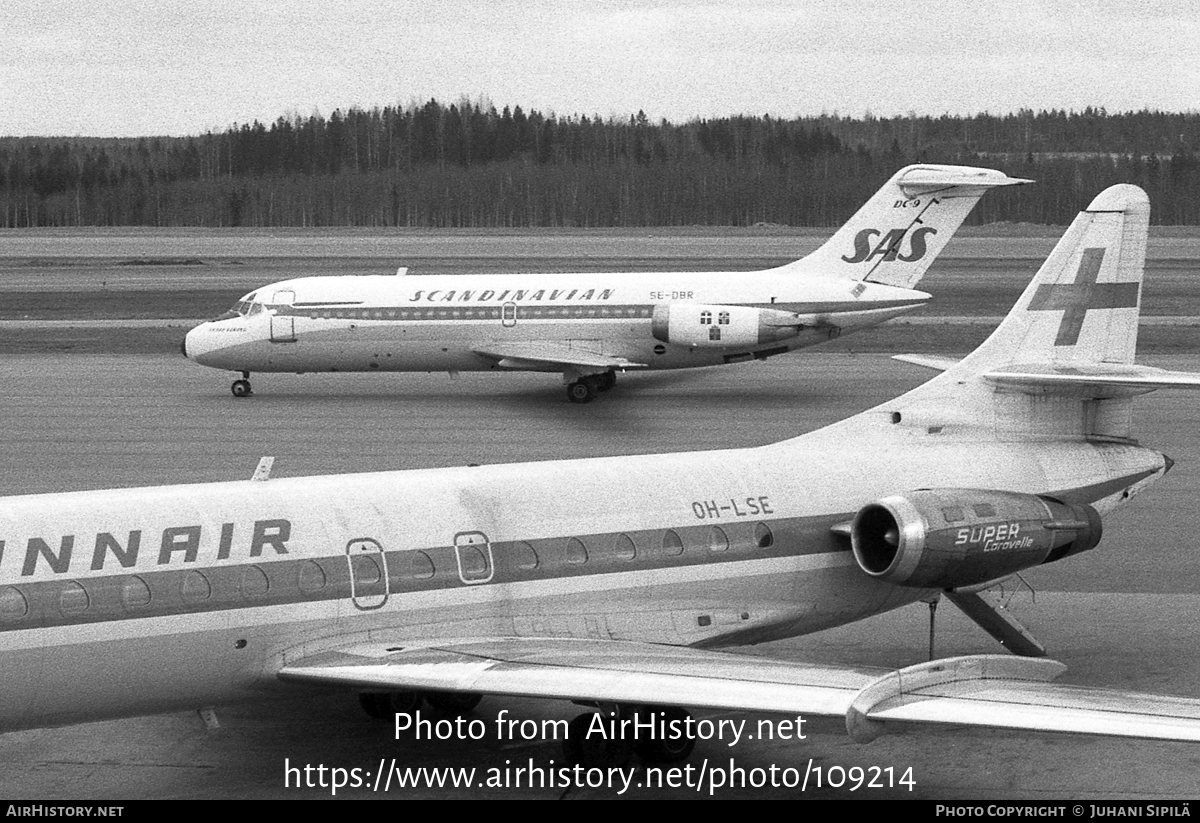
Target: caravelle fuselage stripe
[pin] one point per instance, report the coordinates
(269, 582)
(198, 588)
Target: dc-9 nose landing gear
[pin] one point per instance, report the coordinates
(241, 388)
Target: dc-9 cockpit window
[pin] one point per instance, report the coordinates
(244, 307)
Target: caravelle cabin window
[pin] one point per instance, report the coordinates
(421, 567)
(312, 577)
(73, 599)
(671, 543)
(473, 564)
(623, 548)
(134, 592)
(13, 605)
(525, 557)
(576, 552)
(718, 541)
(254, 582)
(763, 537)
(195, 588)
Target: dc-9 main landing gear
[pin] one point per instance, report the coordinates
(585, 388)
(241, 388)
(582, 390)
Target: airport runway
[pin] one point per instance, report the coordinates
(1125, 615)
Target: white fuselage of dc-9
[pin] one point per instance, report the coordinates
(469, 322)
(589, 327)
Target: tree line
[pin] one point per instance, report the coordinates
(468, 165)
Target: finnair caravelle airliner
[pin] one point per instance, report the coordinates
(591, 326)
(614, 580)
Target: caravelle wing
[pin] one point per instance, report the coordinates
(606, 670)
(544, 354)
(996, 691)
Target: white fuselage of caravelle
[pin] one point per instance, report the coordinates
(133, 600)
(442, 322)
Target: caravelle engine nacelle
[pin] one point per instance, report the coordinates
(947, 538)
(697, 324)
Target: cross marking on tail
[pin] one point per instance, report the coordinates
(1077, 298)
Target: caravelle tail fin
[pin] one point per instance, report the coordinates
(1061, 363)
(899, 232)
(1082, 306)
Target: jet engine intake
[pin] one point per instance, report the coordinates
(947, 538)
(697, 324)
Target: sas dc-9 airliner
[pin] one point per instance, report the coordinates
(588, 327)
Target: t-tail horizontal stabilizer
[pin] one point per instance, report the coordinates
(897, 234)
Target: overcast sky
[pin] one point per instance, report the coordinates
(129, 68)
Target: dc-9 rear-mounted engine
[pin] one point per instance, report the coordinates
(697, 324)
(948, 538)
